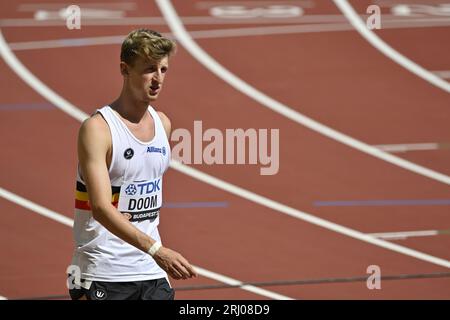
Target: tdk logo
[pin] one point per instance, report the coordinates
(131, 190)
(148, 187)
(158, 150)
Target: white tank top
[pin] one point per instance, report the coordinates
(135, 172)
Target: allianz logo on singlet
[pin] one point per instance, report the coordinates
(158, 150)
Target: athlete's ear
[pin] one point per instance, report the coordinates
(124, 68)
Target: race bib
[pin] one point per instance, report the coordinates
(141, 200)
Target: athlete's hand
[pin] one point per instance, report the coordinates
(176, 266)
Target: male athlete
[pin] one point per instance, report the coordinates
(123, 152)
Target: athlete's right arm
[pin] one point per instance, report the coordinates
(94, 141)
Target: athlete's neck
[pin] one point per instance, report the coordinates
(129, 108)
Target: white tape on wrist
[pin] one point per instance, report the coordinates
(154, 248)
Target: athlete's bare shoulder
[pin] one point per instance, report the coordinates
(166, 122)
(95, 130)
(94, 123)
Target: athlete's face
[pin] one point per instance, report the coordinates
(146, 78)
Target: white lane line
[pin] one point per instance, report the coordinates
(348, 11)
(57, 6)
(209, 4)
(34, 82)
(404, 235)
(205, 20)
(12, 62)
(129, 21)
(69, 222)
(234, 282)
(35, 207)
(444, 74)
(306, 28)
(251, 196)
(222, 33)
(205, 59)
(65, 43)
(408, 147)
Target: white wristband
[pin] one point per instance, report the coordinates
(154, 248)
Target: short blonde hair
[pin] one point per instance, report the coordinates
(147, 44)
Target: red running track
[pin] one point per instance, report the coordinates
(336, 78)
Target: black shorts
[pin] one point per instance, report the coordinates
(158, 289)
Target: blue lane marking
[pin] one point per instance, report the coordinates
(26, 106)
(75, 42)
(195, 205)
(350, 203)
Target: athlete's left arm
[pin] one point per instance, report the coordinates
(166, 123)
